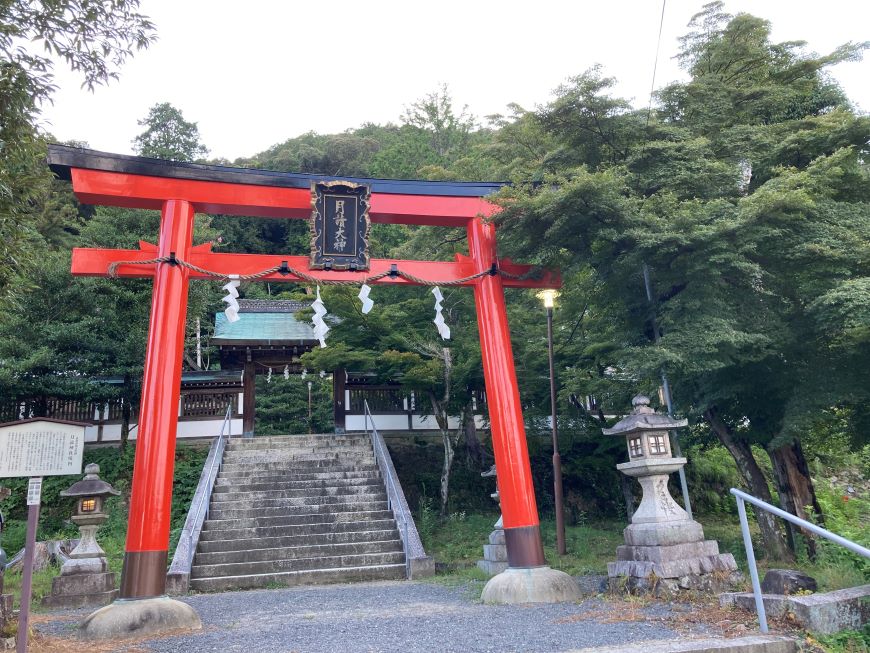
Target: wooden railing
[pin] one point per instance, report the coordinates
(196, 404)
(207, 404)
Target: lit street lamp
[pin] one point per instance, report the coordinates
(549, 297)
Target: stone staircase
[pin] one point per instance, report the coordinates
(297, 510)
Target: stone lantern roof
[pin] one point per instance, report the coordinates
(643, 418)
(91, 485)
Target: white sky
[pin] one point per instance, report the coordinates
(255, 73)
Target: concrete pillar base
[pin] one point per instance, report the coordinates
(531, 585)
(136, 617)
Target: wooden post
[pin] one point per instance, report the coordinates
(249, 399)
(339, 377)
(34, 489)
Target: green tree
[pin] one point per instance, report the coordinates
(93, 38)
(168, 135)
(746, 195)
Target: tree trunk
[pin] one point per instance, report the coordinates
(469, 430)
(440, 412)
(796, 492)
(627, 494)
(754, 480)
(445, 471)
(125, 414)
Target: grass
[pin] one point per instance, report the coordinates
(457, 543)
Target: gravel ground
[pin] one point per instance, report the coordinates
(410, 617)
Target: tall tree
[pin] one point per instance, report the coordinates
(741, 246)
(168, 135)
(93, 38)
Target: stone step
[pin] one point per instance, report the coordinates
(281, 503)
(254, 551)
(244, 494)
(298, 509)
(289, 537)
(213, 527)
(258, 485)
(267, 476)
(751, 644)
(296, 564)
(309, 448)
(307, 467)
(315, 526)
(307, 577)
(308, 499)
(297, 440)
(293, 455)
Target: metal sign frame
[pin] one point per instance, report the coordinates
(340, 225)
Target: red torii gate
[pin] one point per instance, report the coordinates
(178, 191)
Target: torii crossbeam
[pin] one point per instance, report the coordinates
(179, 191)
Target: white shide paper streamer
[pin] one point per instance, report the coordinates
(443, 329)
(232, 309)
(320, 327)
(364, 298)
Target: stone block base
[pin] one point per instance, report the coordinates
(723, 562)
(667, 569)
(137, 617)
(81, 591)
(663, 533)
(494, 554)
(714, 583)
(491, 568)
(531, 585)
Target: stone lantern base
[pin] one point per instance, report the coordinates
(495, 553)
(670, 556)
(82, 591)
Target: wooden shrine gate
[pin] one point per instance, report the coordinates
(178, 191)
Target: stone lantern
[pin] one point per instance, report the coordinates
(664, 548)
(85, 579)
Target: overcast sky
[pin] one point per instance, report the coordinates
(255, 73)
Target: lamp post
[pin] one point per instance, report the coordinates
(549, 297)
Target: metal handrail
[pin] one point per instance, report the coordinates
(742, 497)
(196, 515)
(395, 497)
(211, 475)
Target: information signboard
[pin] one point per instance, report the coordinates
(41, 448)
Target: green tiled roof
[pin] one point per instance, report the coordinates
(261, 328)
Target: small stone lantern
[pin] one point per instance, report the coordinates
(84, 578)
(664, 548)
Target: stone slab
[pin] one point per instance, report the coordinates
(73, 601)
(668, 553)
(752, 644)
(490, 567)
(824, 613)
(787, 581)
(496, 537)
(673, 568)
(663, 534)
(83, 584)
(495, 552)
